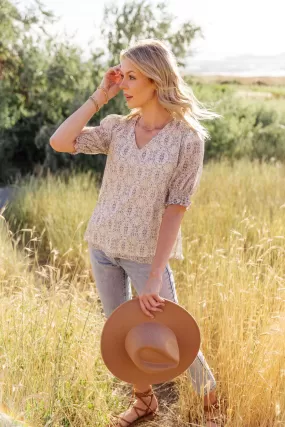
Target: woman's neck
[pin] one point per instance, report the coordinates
(153, 116)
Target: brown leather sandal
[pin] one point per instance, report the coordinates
(213, 414)
(146, 415)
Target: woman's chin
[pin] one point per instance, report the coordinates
(131, 105)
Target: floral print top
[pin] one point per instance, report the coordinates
(138, 184)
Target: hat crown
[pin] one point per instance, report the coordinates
(152, 347)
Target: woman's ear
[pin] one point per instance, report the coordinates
(153, 84)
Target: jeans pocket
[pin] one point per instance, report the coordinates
(100, 256)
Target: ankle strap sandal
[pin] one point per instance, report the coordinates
(145, 414)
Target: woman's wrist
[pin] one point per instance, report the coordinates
(98, 97)
(105, 91)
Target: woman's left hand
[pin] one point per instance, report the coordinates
(149, 298)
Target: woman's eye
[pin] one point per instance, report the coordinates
(133, 78)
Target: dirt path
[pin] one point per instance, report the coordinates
(253, 94)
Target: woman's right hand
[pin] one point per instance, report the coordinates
(111, 81)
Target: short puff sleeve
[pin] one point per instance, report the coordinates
(188, 172)
(96, 139)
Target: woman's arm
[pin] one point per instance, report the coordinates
(168, 232)
(149, 298)
(64, 137)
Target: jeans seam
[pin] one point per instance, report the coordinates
(125, 290)
(209, 372)
(170, 284)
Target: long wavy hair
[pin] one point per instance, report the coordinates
(155, 60)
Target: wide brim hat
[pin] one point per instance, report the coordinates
(138, 349)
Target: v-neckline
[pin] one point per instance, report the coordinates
(151, 140)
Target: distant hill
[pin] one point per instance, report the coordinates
(243, 65)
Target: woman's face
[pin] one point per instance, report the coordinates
(136, 85)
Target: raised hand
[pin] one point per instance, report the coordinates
(111, 81)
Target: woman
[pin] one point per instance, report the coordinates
(154, 164)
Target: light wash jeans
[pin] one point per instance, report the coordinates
(112, 277)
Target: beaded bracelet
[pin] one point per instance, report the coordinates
(106, 94)
(95, 102)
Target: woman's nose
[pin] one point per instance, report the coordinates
(122, 84)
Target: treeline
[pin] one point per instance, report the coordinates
(43, 81)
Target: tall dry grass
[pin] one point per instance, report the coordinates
(232, 280)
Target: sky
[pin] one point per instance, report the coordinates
(230, 27)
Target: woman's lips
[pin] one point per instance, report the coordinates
(128, 97)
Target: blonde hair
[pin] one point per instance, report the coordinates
(155, 60)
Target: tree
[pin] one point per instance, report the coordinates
(43, 80)
(142, 19)
(17, 48)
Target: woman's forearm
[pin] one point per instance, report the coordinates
(74, 124)
(168, 232)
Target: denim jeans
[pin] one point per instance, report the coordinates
(113, 278)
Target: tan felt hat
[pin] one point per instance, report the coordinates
(138, 349)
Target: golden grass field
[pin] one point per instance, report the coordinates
(268, 90)
(232, 281)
